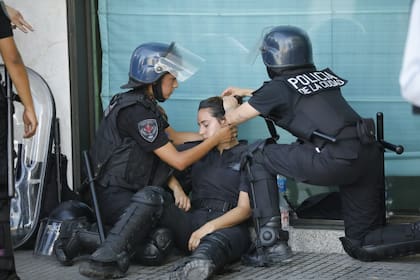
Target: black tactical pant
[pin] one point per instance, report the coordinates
(359, 177)
(183, 224)
(113, 201)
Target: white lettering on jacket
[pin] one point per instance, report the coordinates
(313, 82)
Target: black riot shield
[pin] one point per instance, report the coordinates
(31, 160)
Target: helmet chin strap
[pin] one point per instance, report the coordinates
(157, 90)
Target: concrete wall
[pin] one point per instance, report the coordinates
(46, 51)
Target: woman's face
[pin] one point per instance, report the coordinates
(208, 125)
(169, 84)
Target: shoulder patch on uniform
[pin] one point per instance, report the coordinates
(315, 82)
(148, 129)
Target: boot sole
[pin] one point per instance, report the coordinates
(94, 270)
(193, 270)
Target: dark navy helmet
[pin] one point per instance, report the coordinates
(286, 47)
(150, 61)
(143, 62)
(72, 209)
(66, 216)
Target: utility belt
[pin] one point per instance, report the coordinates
(348, 132)
(364, 130)
(211, 204)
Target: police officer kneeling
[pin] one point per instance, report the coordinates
(335, 145)
(133, 157)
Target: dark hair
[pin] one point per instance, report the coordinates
(215, 104)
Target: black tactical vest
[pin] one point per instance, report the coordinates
(120, 161)
(316, 104)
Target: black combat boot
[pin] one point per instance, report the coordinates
(81, 242)
(112, 259)
(209, 258)
(391, 241)
(270, 247)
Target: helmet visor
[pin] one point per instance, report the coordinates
(258, 46)
(48, 232)
(180, 62)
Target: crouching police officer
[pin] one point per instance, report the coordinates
(335, 145)
(133, 151)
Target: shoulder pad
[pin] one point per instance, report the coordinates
(314, 82)
(112, 103)
(125, 99)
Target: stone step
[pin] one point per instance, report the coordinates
(315, 240)
(316, 236)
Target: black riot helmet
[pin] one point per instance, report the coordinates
(286, 47)
(68, 214)
(144, 67)
(151, 61)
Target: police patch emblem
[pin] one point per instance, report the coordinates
(315, 82)
(148, 129)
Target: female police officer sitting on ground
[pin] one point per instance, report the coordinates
(215, 229)
(132, 151)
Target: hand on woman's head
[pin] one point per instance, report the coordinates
(230, 102)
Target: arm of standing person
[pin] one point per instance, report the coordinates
(17, 71)
(182, 201)
(410, 72)
(231, 218)
(17, 20)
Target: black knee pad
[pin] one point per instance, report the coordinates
(156, 248)
(149, 195)
(269, 233)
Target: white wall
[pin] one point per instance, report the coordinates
(46, 51)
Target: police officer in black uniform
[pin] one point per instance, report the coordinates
(215, 229)
(133, 152)
(17, 71)
(335, 145)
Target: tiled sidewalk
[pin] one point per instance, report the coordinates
(302, 266)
